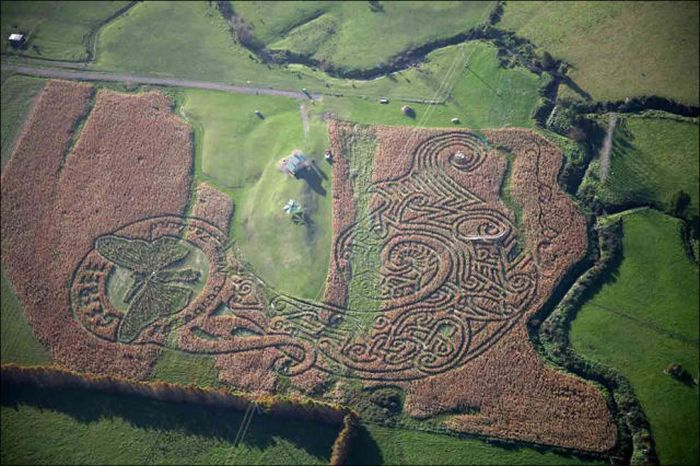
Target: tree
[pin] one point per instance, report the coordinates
(548, 62)
(679, 204)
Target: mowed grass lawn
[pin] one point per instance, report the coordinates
(617, 49)
(16, 99)
(81, 427)
(651, 160)
(62, 30)
(382, 445)
(646, 319)
(354, 35)
(238, 152)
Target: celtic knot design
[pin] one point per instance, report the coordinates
(439, 262)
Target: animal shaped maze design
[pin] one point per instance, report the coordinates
(451, 280)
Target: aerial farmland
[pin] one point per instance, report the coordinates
(344, 232)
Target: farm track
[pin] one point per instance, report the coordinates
(607, 146)
(129, 78)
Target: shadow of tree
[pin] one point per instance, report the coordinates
(364, 448)
(213, 422)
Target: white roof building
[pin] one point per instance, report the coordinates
(16, 37)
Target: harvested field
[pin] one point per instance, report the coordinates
(132, 160)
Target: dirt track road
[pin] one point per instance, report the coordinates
(607, 146)
(128, 78)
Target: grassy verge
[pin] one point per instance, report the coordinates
(381, 445)
(16, 99)
(19, 344)
(644, 319)
(617, 49)
(68, 427)
(56, 30)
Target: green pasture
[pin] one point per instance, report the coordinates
(652, 159)
(645, 318)
(72, 427)
(238, 153)
(483, 95)
(19, 344)
(55, 30)
(382, 445)
(155, 38)
(16, 99)
(356, 35)
(617, 49)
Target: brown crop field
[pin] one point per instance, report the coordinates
(214, 206)
(133, 160)
(452, 277)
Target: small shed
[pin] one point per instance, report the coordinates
(455, 120)
(408, 111)
(383, 101)
(16, 39)
(294, 163)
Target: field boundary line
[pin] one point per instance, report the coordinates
(293, 407)
(133, 79)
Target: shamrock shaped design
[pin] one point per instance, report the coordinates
(157, 289)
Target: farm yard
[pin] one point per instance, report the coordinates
(349, 233)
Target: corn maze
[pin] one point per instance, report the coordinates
(459, 274)
(450, 283)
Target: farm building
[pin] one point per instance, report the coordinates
(294, 163)
(16, 39)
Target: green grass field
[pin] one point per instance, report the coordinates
(65, 427)
(646, 319)
(16, 99)
(484, 94)
(154, 38)
(651, 160)
(239, 154)
(617, 49)
(382, 445)
(56, 30)
(18, 343)
(352, 35)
